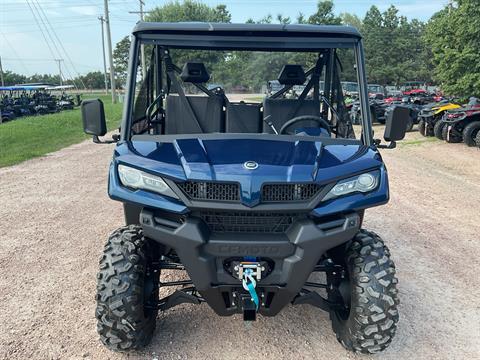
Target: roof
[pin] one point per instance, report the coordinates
(294, 29)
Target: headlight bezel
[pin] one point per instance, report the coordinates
(351, 185)
(141, 180)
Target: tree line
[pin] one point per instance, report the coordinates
(444, 50)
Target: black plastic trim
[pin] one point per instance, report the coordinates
(294, 255)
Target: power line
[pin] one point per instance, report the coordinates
(63, 48)
(58, 53)
(15, 53)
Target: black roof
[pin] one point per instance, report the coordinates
(270, 29)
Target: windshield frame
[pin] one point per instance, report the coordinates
(206, 42)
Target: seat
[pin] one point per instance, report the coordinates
(208, 115)
(282, 110)
(243, 118)
(279, 111)
(208, 111)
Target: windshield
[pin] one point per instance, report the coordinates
(190, 91)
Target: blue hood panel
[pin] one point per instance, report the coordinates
(223, 159)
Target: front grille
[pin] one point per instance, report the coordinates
(248, 222)
(204, 190)
(289, 192)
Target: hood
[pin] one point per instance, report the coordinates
(223, 157)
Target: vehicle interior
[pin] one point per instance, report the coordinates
(176, 95)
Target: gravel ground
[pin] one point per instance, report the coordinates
(55, 216)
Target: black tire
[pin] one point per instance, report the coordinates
(477, 140)
(370, 325)
(123, 322)
(424, 128)
(437, 129)
(470, 133)
(452, 138)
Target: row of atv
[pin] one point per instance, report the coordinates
(380, 108)
(21, 101)
(452, 122)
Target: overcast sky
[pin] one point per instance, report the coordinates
(24, 50)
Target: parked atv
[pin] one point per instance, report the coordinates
(462, 126)
(431, 114)
(458, 119)
(377, 110)
(249, 199)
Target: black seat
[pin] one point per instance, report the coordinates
(280, 111)
(206, 115)
(243, 118)
(208, 111)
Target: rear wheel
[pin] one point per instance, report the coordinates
(450, 136)
(126, 285)
(437, 129)
(477, 140)
(368, 320)
(470, 133)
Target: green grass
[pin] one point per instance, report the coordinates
(258, 99)
(28, 137)
(417, 141)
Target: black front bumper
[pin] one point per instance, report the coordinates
(293, 254)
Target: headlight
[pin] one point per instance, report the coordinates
(136, 179)
(362, 183)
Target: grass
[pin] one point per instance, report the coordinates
(258, 99)
(417, 141)
(28, 137)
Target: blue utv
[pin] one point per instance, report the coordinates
(250, 198)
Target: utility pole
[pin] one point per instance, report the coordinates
(1, 72)
(142, 47)
(110, 53)
(104, 58)
(59, 62)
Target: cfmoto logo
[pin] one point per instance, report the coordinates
(250, 165)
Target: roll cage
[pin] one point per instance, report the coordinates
(323, 40)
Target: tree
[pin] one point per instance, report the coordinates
(351, 20)
(394, 49)
(189, 10)
(94, 80)
(12, 78)
(324, 14)
(453, 35)
(120, 60)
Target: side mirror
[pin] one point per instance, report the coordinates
(396, 124)
(93, 117)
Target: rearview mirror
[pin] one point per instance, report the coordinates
(93, 117)
(396, 124)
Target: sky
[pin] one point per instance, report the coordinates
(77, 32)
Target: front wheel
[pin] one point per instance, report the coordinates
(125, 286)
(470, 133)
(449, 136)
(368, 320)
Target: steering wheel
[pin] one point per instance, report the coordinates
(317, 119)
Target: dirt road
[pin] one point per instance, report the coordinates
(55, 216)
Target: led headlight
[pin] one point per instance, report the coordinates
(362, 183)
(136, 179)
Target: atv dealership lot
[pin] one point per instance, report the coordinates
(55, 210)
